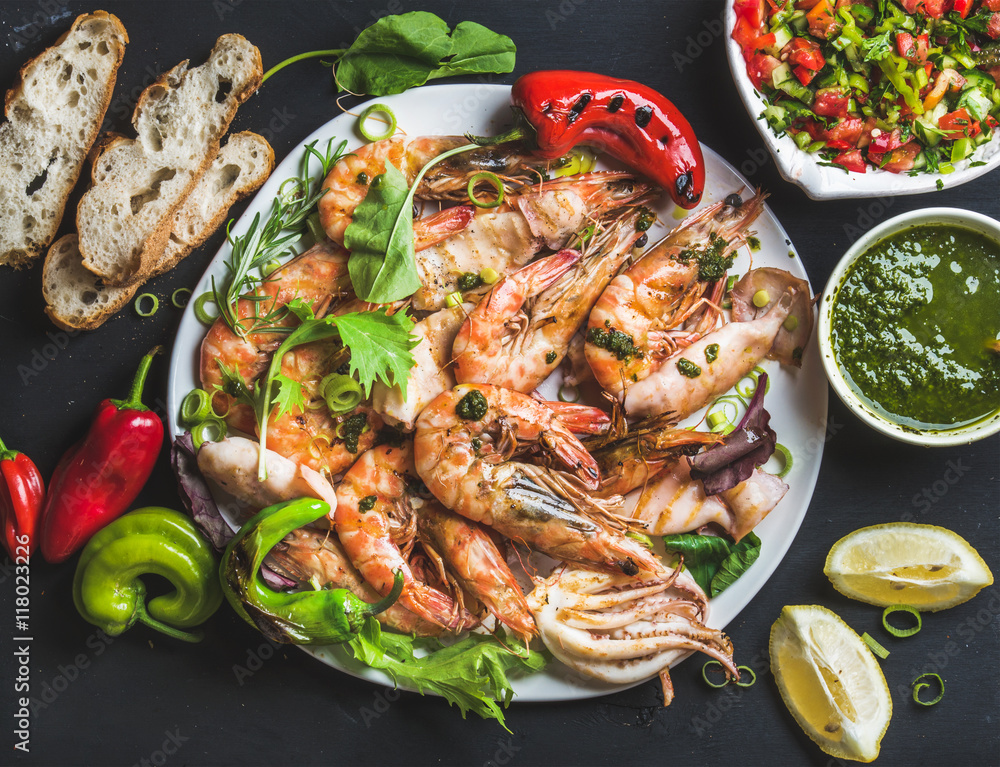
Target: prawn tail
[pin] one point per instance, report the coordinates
(581, 419)
(436, 228)
(621, 554)
(437, 607)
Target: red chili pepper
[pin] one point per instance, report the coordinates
(626, 119)
(101, 475)
(22, 494)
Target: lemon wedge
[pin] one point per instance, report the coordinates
(925, 566)
(830, 682)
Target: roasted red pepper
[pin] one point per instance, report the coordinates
(22, 494)
(101, 475)
(626, 119)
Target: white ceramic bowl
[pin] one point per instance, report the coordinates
(825, 183)
(960, 436)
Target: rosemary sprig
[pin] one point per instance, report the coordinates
(275, 237)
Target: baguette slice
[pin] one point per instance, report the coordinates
(125, 219)
(77, 299)
(54, 114)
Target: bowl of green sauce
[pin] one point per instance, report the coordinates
(909, 327)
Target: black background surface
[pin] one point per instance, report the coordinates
(135, 698)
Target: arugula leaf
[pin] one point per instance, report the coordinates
(703, 555)
(470, 674)
(382, 265)
(743, 555)
(715, 563)
(380, 347)
(289, 395)
(407, 50)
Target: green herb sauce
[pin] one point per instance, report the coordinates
(911, 324)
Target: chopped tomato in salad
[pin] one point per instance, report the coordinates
(907, 86)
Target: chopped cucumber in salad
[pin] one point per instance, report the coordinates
(908, 86)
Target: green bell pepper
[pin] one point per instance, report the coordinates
(107, 589)
(327, 616)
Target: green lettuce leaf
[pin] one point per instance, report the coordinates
(714, 562)
(404, 51)
(380, 238)
(703, 555)
(743, 555)
(470, 674)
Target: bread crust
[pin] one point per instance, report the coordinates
(123, 266)
(18, 255)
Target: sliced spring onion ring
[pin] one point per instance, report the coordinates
(373, 109)
(874, 646)
(748, 670)
(453, 299)
(724, 413)
(342, 393)
(489, 276)
(896, 632)
(210, 430)
(642, 538)
(786, 459)
(709, 682)
(270, 267)
(199, 308)
(176, 297)
(568, 393)
(494, 179)
(196, 407)
(138, 305)
(918, 685)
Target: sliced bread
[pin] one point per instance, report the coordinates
(78, 299)
(53, 114)
(242, 165)
(125, 219)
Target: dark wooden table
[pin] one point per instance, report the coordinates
(143, 699)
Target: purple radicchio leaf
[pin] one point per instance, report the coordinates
(724, 466)
(204, 511)
(195, 494)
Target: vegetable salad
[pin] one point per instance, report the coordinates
(907, 86)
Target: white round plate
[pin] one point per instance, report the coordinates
(822, 182)
(797, 400)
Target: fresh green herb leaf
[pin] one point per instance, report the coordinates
(703, 555)
(380, 347)
(471, 674)
(714, 562)
(743, 555)
(877, 47)
(477, 50)
(380, 238)
(274, 237)
(404, 51)
(288, 395)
